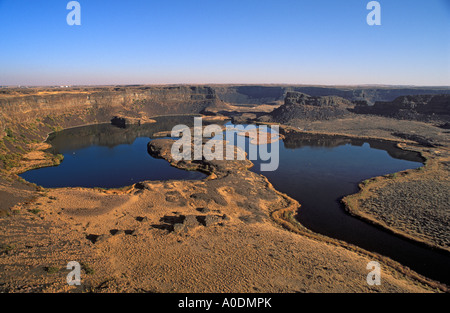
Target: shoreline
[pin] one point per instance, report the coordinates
(278, 220)
(293, 225)
(349, 200)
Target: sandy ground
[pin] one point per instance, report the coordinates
(13, 192)
(128, 243)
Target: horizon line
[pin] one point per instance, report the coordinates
(219, 84)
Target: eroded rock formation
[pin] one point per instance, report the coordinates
(419, 107)
(302, 106)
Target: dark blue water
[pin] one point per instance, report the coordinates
(109, 157)
(319, 176)
(108, 167)
(315, 170)
(318, 171)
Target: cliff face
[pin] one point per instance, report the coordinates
(370, 94)
(96, 105)
(57, 108)
(247, 94)
(301, 106)
(419, 107)
(298, 98)
(250, 94)
(76, 106)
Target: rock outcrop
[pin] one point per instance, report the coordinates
(298, 105)
(254, 95)
(122, 122)
(419, 107)
(273, 94)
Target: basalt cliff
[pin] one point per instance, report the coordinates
(300, 105)
(419, 107)
(101, 104)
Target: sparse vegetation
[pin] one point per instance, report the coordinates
(10, 160)
(9, 133)
(52, 269)
(87, 269)
(35, 211)
(392, 176)
(20, 148)
(51, 118)
(6, 248)
(59, 158)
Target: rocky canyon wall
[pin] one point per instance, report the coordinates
(74, 106)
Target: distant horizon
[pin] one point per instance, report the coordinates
(227, 84)
(173, 42)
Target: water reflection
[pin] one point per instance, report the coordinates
(106, 135)
(108, 156)
(299, 140)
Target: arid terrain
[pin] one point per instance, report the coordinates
(231, 232)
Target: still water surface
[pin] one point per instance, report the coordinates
(109, 157)
(315, 170)
(318, 171)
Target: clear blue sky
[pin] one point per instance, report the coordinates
(224, 41)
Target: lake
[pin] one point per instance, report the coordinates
(315, 170)
(107, 156)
